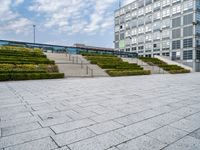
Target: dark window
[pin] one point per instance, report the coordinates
(140, 47)
(134, 48)
(198, 55)
(188, 19)
(188, 31)
(176, 33)
(117, 36)
(121, 36)
(187, 55)
(176, 22)
(176, 44)
(187, 43)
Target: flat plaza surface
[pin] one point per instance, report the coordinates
(157, 112)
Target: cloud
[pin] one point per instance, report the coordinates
(12, 21)
(76, 16)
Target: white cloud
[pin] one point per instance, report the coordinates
(76, 16)
(12, 21)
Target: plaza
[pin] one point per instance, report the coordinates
(157, 112)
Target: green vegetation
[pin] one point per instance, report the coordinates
(19, 63)
(115, 66)
(173, 69)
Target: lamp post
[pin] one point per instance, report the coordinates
(34, 26)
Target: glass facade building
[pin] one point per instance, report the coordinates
(160, 27)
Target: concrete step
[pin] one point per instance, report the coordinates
(76, 66)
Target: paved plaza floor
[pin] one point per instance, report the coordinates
(157, 112)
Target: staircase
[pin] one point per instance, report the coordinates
(154, 69)
(76, 66)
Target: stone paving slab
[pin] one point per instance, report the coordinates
(160, 112)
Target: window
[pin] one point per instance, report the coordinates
(116, 36)
(166, 12)
(134, 31)
(148, 9)
(128, 33)
(187, 5)
(156, 25)
(116, 28)
(187, 55)
(156, 15)
(140, 47)
(156, 36)
(116, 44)
(156, 5)
(141, 11)
(188, 31)
(148, 18)
(134, 40)
(148, 47)
(166, 34)
(141, 21)
(176, 44)
(166, 23)
(187, 43)
(148, 28)
(140, 3)
(134, 14)
(156, 47)
(134, 6)
(148, 2)
(121, 36)
(134, 23)
(176, 33)
(165, 2)
(128, 16)
(198, 55)
(187, 19)
(141, 39)
(165, 45)
(176, 9)
(141, 30)
(176, 22)
(134, 48)
(148, 37)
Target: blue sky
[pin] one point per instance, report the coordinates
(63, 22)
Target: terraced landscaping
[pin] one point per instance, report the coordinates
(173, 69)
(115, 66)
(19, 63)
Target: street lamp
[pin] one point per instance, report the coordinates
(34, 26)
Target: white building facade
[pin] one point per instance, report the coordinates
(160, 27)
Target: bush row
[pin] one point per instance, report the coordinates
(21, 49)
(30, 76)
(115, 65)
(28, 68)
(21, 54)
(27, 62)
(115, 73)
(95, 54)
(173, 69)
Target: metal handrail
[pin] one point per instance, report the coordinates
(76, 60)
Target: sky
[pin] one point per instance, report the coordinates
(61, 22)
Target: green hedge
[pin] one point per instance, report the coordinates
(173, 69)
(21, 54)
(26, 62)
(28, 68)
(115, 73)
(115, 65)
(30, 76)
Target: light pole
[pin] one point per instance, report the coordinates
(34, 26)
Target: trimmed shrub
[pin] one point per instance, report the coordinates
(173, 69)
(30, 76)
(115, 73)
